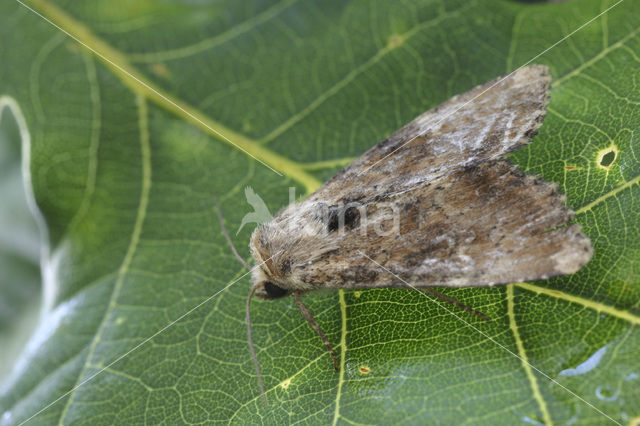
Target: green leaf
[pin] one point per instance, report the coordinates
(19, 249)
(126, 153)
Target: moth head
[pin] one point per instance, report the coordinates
(282, 246)
(268, 272)
(266, 289)
(262, 277)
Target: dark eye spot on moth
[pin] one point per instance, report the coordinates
(435, 204)
(273, 291)
(340, 217)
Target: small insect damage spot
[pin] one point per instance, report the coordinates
(607, 159)
(394, 41)
(72, 47)
(607, 156)
(246, 126)
(363, 369)
(357, 294)
(285, 384)
(160, 70)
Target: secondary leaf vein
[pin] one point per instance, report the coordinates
(546, 417)
(133, 244)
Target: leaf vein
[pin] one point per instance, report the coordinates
(524, 359)
(133, 244)
(351, 76)
(597, 306)
(140, 85)
(212, 42)
(343, 354)
(586, 64)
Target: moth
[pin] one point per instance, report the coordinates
(434, 204)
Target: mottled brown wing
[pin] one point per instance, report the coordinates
(487, 122)
(483, 224)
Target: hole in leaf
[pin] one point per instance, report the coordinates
(607, 159)
(607, 156)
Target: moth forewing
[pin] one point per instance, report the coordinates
(434, 204)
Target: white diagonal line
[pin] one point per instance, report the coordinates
(146, 340)
(493, 340)
(499, 81)
(165, 98)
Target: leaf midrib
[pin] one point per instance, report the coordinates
(139, 84)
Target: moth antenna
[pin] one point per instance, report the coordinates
(306, 313)
(453, 301)
(226, 234)
(251, 347)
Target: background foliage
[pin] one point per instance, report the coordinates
(123, 179)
